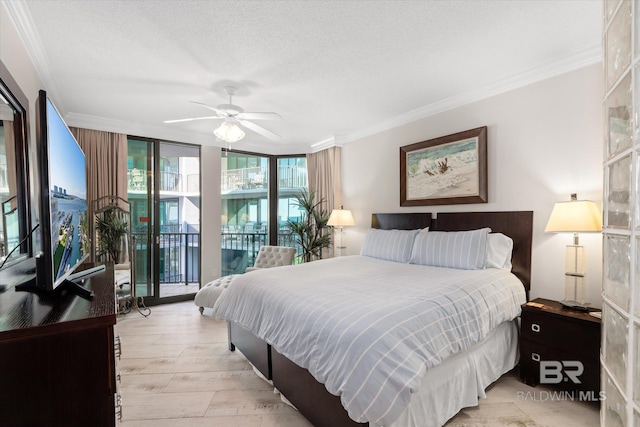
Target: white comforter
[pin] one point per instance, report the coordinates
(367, 328)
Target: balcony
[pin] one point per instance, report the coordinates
(256, 178)
(179, 261)
(180, 252)
(240, 248)
(170, 182)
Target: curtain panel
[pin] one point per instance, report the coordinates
(324, 173)
(325, 176)
(106, 158)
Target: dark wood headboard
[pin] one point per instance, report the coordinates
(516, 224)
(400, 221)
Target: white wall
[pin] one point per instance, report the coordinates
(544, 142)
(15, 58)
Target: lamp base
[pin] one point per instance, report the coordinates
(575, 305)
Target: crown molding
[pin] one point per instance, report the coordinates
(21, 18)
(332, 141)
(572, 63)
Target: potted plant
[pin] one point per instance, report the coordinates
(310, 230)
(111, 230)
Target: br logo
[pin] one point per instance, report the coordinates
(555, 372)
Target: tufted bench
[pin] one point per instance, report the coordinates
(209, 294)
(268, 256)
(273, 256)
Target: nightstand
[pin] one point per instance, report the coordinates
(565, 341)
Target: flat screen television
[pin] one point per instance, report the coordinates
(63, 201)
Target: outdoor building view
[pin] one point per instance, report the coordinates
(246, 217)
(245, 189)
(178, 217)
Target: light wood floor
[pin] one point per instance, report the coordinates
(176, 371)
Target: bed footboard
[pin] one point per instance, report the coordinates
(309, 396)
(295, 383)
(253, 348)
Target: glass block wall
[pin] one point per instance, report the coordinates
(620, 353)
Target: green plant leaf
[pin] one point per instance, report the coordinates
(311, 231)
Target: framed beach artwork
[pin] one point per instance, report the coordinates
(449, 170)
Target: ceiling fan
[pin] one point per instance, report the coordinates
(233, 115)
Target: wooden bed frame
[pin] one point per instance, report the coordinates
(310, 397)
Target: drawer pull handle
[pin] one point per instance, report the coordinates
(119, 407)
(535, 327)
(117, 347)
(535, 357)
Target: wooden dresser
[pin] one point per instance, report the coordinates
(57, 357)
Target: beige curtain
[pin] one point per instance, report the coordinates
(106, 157)
(325, 179)
(325, 176)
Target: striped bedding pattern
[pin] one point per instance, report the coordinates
(452, 249)
(368, 328)
(392, 245)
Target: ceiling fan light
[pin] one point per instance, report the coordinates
(229, 132)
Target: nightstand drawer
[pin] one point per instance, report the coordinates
(532, 353)
(564, 334)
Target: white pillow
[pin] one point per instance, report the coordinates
(499, 249)
(391, 245)
(453, 249)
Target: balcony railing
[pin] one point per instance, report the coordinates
(180, 254)
(239, 250)
(169, 181)
(179, 257)
(257, 177)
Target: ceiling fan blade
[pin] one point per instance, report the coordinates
(259, 129)
(209, 107)
(190, 119)
(259, 116)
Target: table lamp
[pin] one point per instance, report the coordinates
(340, 218)
(575, 216)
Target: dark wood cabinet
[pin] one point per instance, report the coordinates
(57, 360)
(560, 337)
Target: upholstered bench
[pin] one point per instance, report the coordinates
(268, 256)
(209, 294)
(273, 256)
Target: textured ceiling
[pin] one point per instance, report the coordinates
(332, 69)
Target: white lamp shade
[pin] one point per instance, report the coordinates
(341, 218)
(229, 132)
(576, 216)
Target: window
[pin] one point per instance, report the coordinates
(249, 219)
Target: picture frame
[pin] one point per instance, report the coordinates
(448, 170)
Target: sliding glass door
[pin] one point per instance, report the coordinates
(292, 180)
(140, 160)
(245, 209)
(164, 192)
(257, 192)
(178, 225)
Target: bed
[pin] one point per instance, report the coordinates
(334, 371)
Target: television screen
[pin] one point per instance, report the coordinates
(67, 198)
